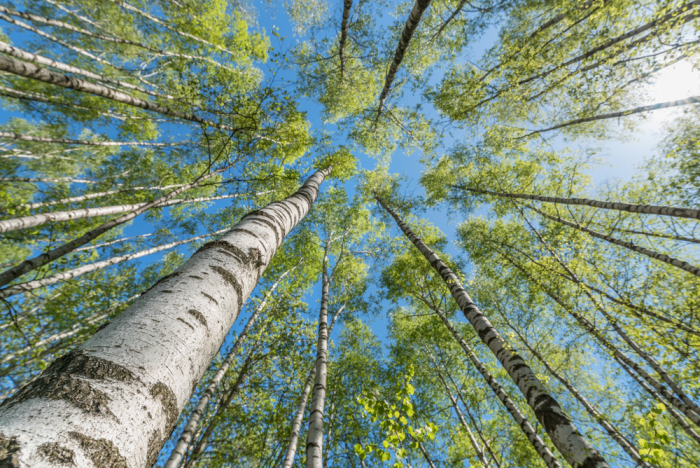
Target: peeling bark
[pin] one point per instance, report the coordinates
(127, 384)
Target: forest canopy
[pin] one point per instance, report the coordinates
(349, 233)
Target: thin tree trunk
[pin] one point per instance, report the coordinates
(425, 455)
(561, 430)
(28, 70)
(67, 141)
(663, 236)
(116, 241)
(301, 408)
(8, 225)
(188, 432)
(223, 404)
(593, 330)
(90, 196)
(655, 395)
(612, 431)
(442, 27)
(409, 29)
(85, 269)
(58, 252)
(537, 443)
(21, 54)
(154, 353)
(615, 115)
(314, 435)
(47, 180)
(478, 450)
(347, 5)
(628, 245)
(660, 210)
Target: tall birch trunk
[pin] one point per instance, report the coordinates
(115, 241)
(612, 431)
(617, 115)
(58, 252)
(8, 225)
(29, 70)
(115, 399)
(347, 5)
(90, 196)
(188, 432)
(314, 436)
(68, 141)
(510, 406)
(301, 407)
(409, 29)
(561, 430)
(85, 269)
(628, 245)
(478, 450)
(617, 354)
(672, 211)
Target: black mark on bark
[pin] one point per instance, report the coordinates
(229, 278)
(55, 454)
(183, 321)
(198, 315)
(9, 452)
(101, 452)
(210, 298)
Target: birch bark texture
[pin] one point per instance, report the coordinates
(575, 448)
(115, 400)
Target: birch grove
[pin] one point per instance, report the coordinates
(341, 234)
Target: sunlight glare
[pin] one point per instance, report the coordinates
(676, 82)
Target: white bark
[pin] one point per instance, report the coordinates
(188, 432)
(301, 407)
(114, 400)
(85, 269)
(90, 196)
(67, 141)
(560, 428)
(25, 222)
(115, 241)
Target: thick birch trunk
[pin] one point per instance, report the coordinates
(409, 29)
(561, 430)
(617, 354)
(29, 70)
(672, 211)
(58, 252)
(314, 436)
(628, 245)
(347, 5)
(85, 269)
(537, 443)
(188, 432)
(616, 115)
(301, 407)
(67, 141)
(612, 431)
(114, 400)
(8, 225)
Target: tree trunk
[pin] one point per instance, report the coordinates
(90, 196)
(409, 29)
(478, 450)
(628, 245)
(82, 270)
(8, 225)
(188, 432)
(593, 330)
(612, 431)
(672, 211)
(347, 4)
(314, 436)
(115, 241)
(615, 115)
(301, 407)
(67, 141)
(43, 75)
(561, 430)
(537, 443)
(123, 389)
(58, 252)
